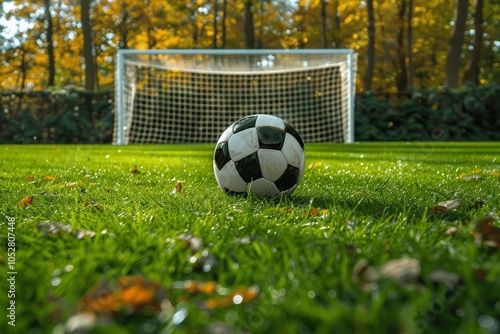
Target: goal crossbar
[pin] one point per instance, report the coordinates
(161, 95)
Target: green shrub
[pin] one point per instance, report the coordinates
(56, 116)
(438, 114)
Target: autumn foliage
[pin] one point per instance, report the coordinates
(409, 39)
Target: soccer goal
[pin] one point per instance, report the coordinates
(191, 96)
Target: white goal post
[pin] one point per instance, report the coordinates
(192, 96)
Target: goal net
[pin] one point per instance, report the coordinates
(192, 96)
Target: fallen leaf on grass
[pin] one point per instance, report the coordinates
(191, 242)
(495, 173)
(178, 188)
(236, 297)
(442, 276)
(445, 206)
(286, 210)
(487, 235)
(93, 205)
(315, 212)
(196, 287)
(451, 230)
(403, 271)
(219, 297)
(57, 228)
(316, 164)
(27, 201)
(473, 178)
(135, 170)
(132, 294)
(45, 178)
(199, 256)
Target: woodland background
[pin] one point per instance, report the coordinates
(449, 47)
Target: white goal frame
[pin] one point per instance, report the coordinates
(128, 60)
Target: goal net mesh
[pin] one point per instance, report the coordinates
(193, 98)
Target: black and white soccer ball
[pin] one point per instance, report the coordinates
(260, 154)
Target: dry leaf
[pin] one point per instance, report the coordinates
(403, 271)
(237, 296)
(495, 173)
(52, 227)
(445, 206)
(178, 188)
(442, 276)
(134, 170)
(286, 210)
(219, 296)
(207, 261)
(487, 235)
(93, 204)
(472, 178)
(316, 164)
(191, 242)
(451, 230)
(131, 293)
(27, 201)
(315, 212)
(206, 288)
(359, 270)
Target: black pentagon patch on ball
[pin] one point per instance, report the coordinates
(249, 168)
(221, 155)
(270, 137)
(289, 129)
(288, 179)
(244, 123)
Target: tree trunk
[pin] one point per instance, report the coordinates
(455, 43)
(224, 12)
(50, 43)
(214, 38)
(336, 24)
(249, 26)
(409, 45)
(323, 24)
(370, 53)
(472, 72)
(87, 46)
(260, 39)
(401, 72)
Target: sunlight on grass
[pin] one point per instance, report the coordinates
(103, 235)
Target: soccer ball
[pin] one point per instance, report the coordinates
(260, 154)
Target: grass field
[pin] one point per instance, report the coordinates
(364, 245)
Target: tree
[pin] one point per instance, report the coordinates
(409, 44)
(216, 16)
(87, 46)
(472, 72)
(401, 70)
(224, 13)
(249, 25)
(370, 52)
(324, 40)
(455, 43)
(49, 33)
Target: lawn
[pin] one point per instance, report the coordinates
(378, 238)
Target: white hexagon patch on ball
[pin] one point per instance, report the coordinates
(260, 154)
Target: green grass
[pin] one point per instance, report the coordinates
(373, 202)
